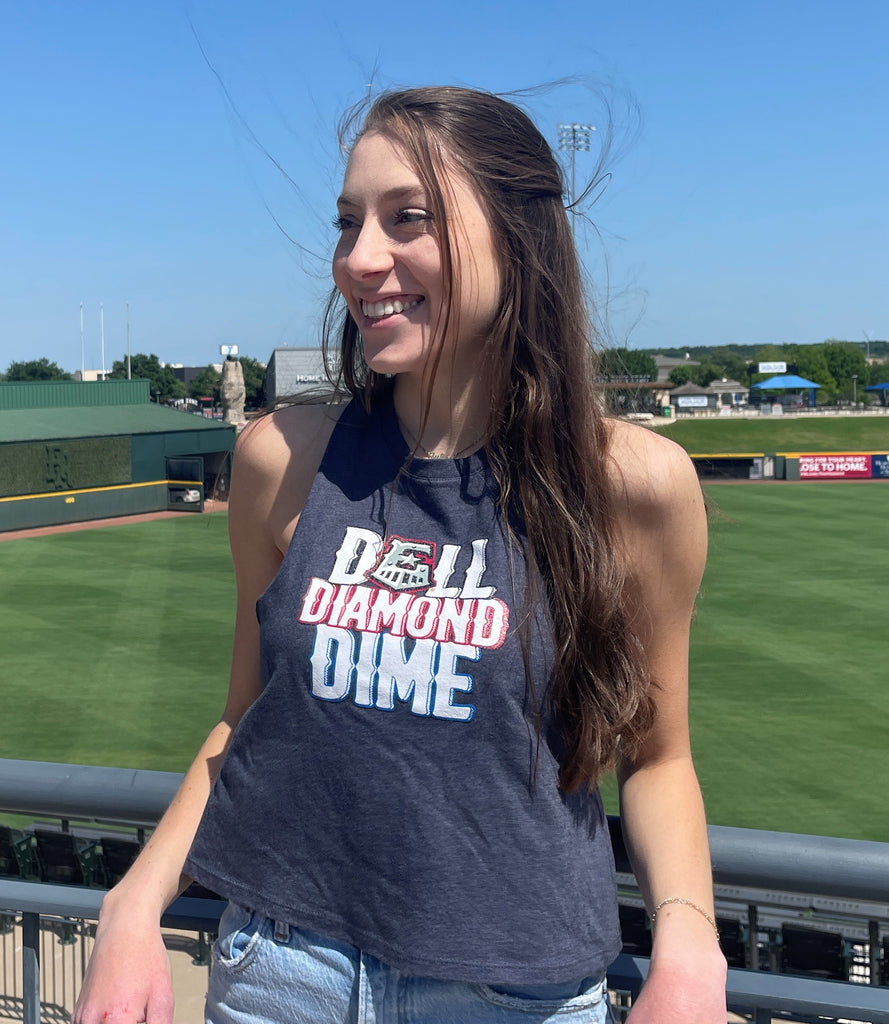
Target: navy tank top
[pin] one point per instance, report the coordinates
(382, 788)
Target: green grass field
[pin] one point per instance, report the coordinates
(116, 642)
(774, 434)
(116, 645)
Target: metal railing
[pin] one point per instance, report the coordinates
(749, 866)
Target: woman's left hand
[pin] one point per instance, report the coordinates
(682, 994)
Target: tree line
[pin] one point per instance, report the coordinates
(841, 368)
(163, 383)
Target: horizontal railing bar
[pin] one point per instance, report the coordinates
(855, 869)
(746, 990)
(86, 792)
(54, 900)
(761, 990)
(848, 868)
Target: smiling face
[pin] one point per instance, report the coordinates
(388, 261)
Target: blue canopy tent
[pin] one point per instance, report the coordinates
(882, 388)
(789, 380)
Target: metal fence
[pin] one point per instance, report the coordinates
(761, 878)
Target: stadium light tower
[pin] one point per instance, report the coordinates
(574, 138)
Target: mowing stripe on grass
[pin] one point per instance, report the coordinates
(116, 642)
(116, 645)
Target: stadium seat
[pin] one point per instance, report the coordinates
(15, 856)
(61, 857)
(731, 940)
(635, 930)
(117, 856)
(812, 952)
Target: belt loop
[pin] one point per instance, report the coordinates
(282, 931)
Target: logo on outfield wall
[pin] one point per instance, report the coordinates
(834, 467)
(880, 466)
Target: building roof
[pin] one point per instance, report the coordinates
(725, 384)
(47, 424)
(61, 410)
(786, 380)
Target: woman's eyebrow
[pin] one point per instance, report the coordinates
(402, 192)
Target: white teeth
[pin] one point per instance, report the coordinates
(387, 307)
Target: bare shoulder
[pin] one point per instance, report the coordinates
(659, 508)
(291, 435)
(276, 459)
(650, 474)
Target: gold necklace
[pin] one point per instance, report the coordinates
(424, 451)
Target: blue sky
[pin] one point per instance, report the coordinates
(747, 201)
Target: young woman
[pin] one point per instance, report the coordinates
(461, 598)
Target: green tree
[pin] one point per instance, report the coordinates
(845, 359)
(731, 364)
(206, 384)
(680, 375)
(254, 382)
(878, 372)
(163, 383)
(36, 369)
(705, 373)
(624, 362)
(811, 363)
(769, 354)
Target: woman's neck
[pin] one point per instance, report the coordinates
(448, 421)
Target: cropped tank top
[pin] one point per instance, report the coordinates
(388, 787)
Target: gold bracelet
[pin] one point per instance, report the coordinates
(686, 903)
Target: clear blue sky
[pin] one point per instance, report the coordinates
(748, 201)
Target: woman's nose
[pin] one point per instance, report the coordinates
(370, 252)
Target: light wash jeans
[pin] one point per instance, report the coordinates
(268, 973)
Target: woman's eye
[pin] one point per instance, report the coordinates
(344, 223)
(412, 216)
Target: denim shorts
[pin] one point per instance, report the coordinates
(269, 973)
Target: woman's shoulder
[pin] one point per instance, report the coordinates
(276, 459)
(652, 479)
(291, 437)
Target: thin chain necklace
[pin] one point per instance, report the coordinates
(424, 451)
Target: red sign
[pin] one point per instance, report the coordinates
(834, 467)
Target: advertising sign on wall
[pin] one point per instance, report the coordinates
(773, 367)
(834, 467)
(880, 466)
(692, 401)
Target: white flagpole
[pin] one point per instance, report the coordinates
(102, 332)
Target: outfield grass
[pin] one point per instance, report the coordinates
(116, 642)
(776, 434)
(790, 692)
(116, 646)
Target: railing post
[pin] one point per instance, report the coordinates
(31, 968)
(752, 937)
(873, 953)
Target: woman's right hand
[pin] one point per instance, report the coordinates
(128, 980)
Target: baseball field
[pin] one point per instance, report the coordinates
(115, 648)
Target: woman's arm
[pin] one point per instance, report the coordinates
(662, 813)
(128, 979)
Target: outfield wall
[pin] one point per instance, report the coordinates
(72, 451)
(54, 508)
(796, 466)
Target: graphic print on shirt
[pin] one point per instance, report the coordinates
(389, 626)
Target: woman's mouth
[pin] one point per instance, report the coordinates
(378, 310)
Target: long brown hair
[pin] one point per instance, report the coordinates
(548, 438)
